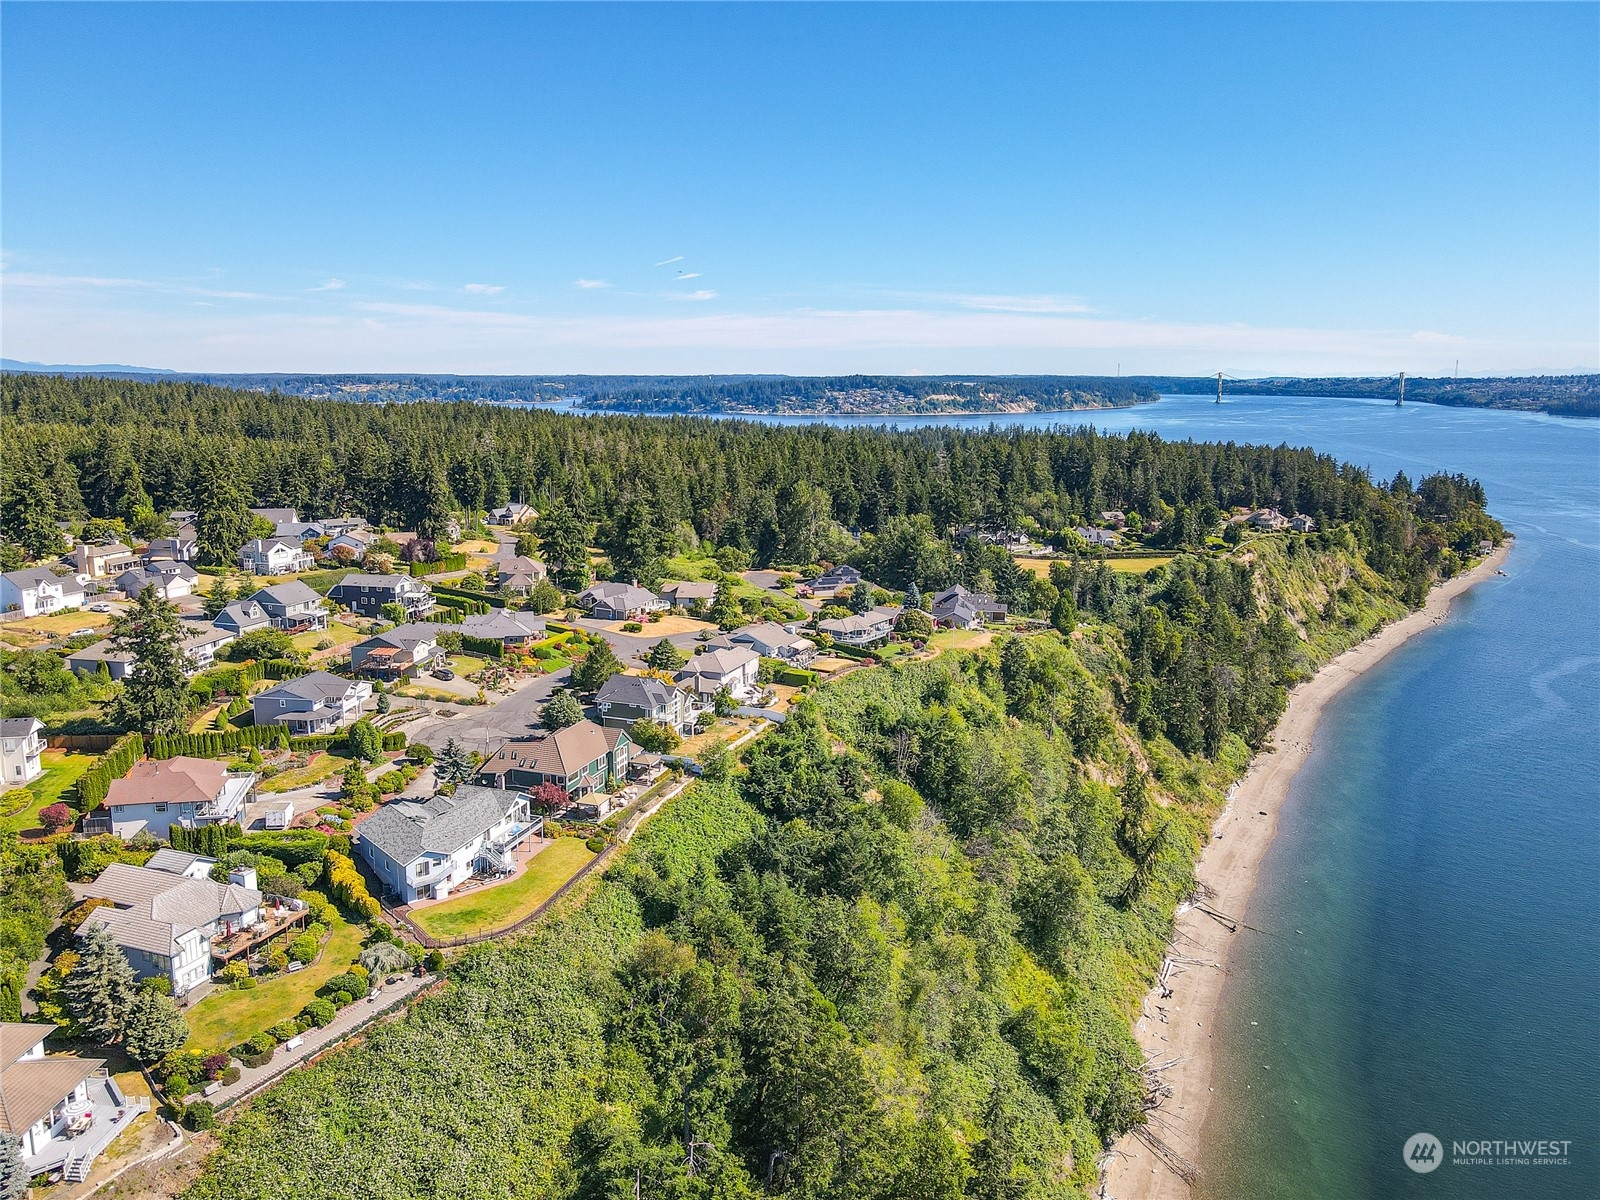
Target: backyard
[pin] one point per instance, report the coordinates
(337, 632)
(228, 1016)
(61, 771)
(490, 908)
(321, 766)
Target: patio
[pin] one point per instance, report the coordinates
(274, 922)
(107, 1114)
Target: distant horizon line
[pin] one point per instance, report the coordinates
(27, 367)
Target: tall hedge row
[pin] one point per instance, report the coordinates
(215, 745)
(116, 762)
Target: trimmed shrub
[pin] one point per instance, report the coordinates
(199, 1116)
(229, 1076)
(262, 1043)
(283, 1031)
(319, 1011)
(213, 1065)
(346, 983)
(303, 949)
(596, 844)
(177, 1087)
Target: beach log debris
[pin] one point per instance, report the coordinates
(1180, 1166)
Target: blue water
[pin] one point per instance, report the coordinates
(1430, 954)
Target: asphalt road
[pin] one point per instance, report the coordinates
(485, 729)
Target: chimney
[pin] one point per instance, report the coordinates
(245, 877)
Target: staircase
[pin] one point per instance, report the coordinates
(77, 1168)
(498, 859)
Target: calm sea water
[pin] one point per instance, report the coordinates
(1430, 960)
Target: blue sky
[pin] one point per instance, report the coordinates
(1259, 189)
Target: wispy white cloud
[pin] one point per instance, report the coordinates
(590, 284)
(682, 275)
(67, 283)
(111, 321)
(990, 302)
(667, 262)
(332, 285)
(484, 289)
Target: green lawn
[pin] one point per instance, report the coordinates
(337, 632)
(227, 1017)
(506, 903)
(61, 771)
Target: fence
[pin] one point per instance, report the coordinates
(96, 742)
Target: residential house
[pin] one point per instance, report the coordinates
(1096, 537)
(619, 601)
(1269, 519)
(1302, 524)
(958, 608)
(871, 628)
(316, 703)
(834, 579)
(506, 627)
(1115, 518)
(201, 642)
(278, 516)
(292, 607)
(171, 579)
(65, 1110)
(181, 862)
(367, 594)
(21, 751)
(624, 699)
(422, 849)
(333, 527)
(168, 925)
(513, 513)
(242, 617)
(687, 595)
(357, 541)
(181, 547)
(581, 758)
(158, 794)
(708, 673)
(275, 556)
(298, 531)
(33, 591)
(87, 660)
(771, 640)
(103, 560)
(520, 574)
(398, 653)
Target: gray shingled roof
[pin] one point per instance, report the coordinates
(293, 592)
(155, 908)
(636, 691)
(318, 685)
(405, 830)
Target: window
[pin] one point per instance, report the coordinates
(161, 808)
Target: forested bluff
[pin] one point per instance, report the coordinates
(887, 395)
(896, 949)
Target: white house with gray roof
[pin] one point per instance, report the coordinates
(275, 556)
(320, 702)
(242, 617)
(36, 590)
(165, 921)
(21, 750)
(422, 849)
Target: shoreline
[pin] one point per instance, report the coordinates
(1175, 1031)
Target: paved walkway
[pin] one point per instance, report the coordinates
(349, 1019)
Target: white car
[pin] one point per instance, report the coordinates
(101, 606)
(81, 632)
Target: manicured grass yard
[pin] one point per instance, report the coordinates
(337, 632)
(960, 639)
(1138, 564)
(61, 771)
(227, 1017)
(507, 903)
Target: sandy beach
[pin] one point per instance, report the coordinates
(1175, 1030)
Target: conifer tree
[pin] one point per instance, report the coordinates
(454, 764)
(154, 1027)
(99, 990)
(154, 697)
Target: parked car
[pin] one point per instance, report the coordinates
(443, 673)
(100, 606)
(81, 632)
